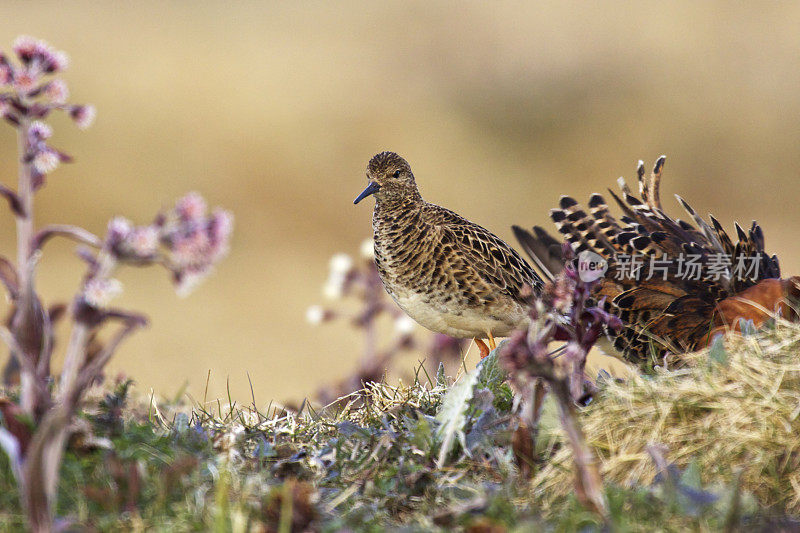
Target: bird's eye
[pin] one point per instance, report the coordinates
(396, 173)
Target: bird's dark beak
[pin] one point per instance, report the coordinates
(371, 189)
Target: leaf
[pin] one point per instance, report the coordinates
(420, 433)
(747, 327)
(480, 430)
(348, 429)
(717, 353)
(13, 200)
(441, 377)
(8, 276)
(452, 414)
(492, 375)
(691, 476)
(549, 424)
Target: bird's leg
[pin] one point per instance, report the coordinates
(482, 347)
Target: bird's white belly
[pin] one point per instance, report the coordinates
(467, 323)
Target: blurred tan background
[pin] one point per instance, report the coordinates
(272, 110)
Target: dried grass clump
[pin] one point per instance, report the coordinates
(736, 408)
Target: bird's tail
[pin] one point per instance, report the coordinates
(666, 277)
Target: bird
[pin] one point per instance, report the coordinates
(667, 313)
(450, 275)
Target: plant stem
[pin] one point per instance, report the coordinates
(23, 326)
(75, 356)
(588, 481)
(25, 193)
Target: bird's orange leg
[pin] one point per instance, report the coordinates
(482, 347)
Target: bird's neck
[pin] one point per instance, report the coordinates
(398, 205)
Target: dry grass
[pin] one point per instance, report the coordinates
(735, 410)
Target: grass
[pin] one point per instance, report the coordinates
(710, 447)
(734, 414)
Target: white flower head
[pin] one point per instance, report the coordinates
(46, 161)
(341, 264)
(40, 130)
(334, 287)
(120, 226)
(367, 249)
(99, 292)
(143, 241)
(404, 325)
(57, 92)
(315, 315)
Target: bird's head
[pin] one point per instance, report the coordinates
(390, 178)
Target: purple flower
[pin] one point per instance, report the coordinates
(83, 115)
(118, 230)
(54, 60)
(565, 313)
(39, 131)
(191, 207)
(143, 241)
(191, 250)
(39, 55)
(195, 240)
(35, 97)
(6, 75)
(24, 81)
(57, 92)
(220, 229)
(25, 47)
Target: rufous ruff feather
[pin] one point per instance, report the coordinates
(674, 284)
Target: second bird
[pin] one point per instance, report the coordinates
(449, 274)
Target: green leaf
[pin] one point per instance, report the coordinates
(441, 378)
(549, 423)
(717, 353)
(492, 375)
(747, 327)
(452, 414)
(691, 476)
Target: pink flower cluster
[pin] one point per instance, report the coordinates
(42, 157)
(28, 90)
(38, 56)
(194, 240)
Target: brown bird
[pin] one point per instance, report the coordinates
(447, 273)
(692, 281)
